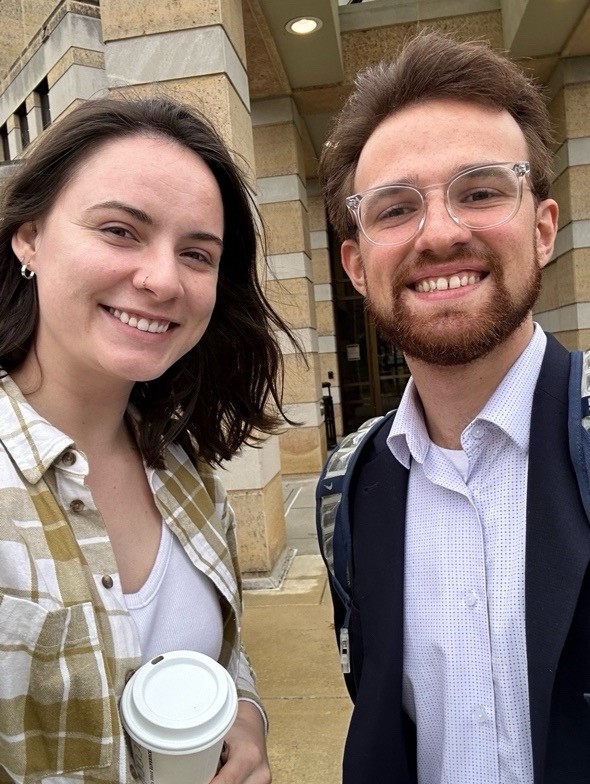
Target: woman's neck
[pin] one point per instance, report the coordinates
(93, 416)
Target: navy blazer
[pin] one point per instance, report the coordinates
(381, 742)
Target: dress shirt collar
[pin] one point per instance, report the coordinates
(408, 438)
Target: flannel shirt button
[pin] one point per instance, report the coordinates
(133, 770)
(68, 458)
(76, 505)
(107, 581)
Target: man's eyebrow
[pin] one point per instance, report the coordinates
(142, 216)
(461, 168)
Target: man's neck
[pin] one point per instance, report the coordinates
(453, 396)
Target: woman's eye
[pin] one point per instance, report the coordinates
(198, 257)
(117, 231)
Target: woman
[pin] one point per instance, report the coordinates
(137, 352)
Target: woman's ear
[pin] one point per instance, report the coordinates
(24, 242)
(546, 230)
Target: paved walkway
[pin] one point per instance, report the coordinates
(289, 637)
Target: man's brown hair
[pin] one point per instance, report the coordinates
(430, 66)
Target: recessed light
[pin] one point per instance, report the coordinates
(303, 25)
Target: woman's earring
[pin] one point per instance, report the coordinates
(25, 271)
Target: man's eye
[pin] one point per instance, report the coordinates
(479, 195)
(396, 211)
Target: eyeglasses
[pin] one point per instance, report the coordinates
(478, 198)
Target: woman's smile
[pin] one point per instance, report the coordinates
(142, 323)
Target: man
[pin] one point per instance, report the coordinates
(470, 625)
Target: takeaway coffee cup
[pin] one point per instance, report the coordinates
(177, 709)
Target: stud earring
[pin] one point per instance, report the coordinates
(27, 273)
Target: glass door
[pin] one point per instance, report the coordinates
(373, 374)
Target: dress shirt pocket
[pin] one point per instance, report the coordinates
(55, 714)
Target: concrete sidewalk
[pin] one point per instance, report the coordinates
(289, 636)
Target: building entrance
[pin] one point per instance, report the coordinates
(372, 373)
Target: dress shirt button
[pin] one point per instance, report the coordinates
(471, 598)
(480, 715)
(68, 458)
(478, 432)
(76, 505)
(107, 581)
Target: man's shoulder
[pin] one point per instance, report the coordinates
(554, 376)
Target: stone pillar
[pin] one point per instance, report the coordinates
(78, 74)
(324, 300)
(15, 142)
(283, 202)
(195, 52)
(564, 305)
(34, 115)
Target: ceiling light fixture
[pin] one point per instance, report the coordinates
(303, 25)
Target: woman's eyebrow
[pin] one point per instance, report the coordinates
(142, 216)
(205, 235)
(135, 212)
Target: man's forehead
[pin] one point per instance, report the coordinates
(439, 135)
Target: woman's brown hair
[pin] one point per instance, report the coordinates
(228, 387)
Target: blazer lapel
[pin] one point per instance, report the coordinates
(557, 549)
(378, 545)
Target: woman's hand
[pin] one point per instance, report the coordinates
(244, 760)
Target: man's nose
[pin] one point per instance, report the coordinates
(439, 233)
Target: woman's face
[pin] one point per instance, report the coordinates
(126, 262)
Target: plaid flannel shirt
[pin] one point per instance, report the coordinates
(67, 641)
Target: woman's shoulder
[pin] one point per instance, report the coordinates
(195, 471)
(28, 443)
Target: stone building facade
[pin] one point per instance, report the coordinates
(272, 94)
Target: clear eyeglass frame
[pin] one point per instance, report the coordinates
(519, 170)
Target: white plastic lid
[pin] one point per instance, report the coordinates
(180, 702)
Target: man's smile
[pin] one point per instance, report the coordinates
(442, 282)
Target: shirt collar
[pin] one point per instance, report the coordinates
(509, 406)
(31, 441)
(409, 439)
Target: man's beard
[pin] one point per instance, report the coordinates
(453, 335)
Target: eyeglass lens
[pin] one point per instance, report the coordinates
(478, 199)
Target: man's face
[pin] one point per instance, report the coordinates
(450, 294)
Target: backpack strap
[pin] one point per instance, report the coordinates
(332, 517)
(579, 422)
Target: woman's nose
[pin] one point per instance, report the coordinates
(160, 276)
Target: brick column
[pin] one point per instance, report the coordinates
(283, 202)
(15, 144)
(324, 299)
(34, 116)
(195, 52)
(564, 305)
